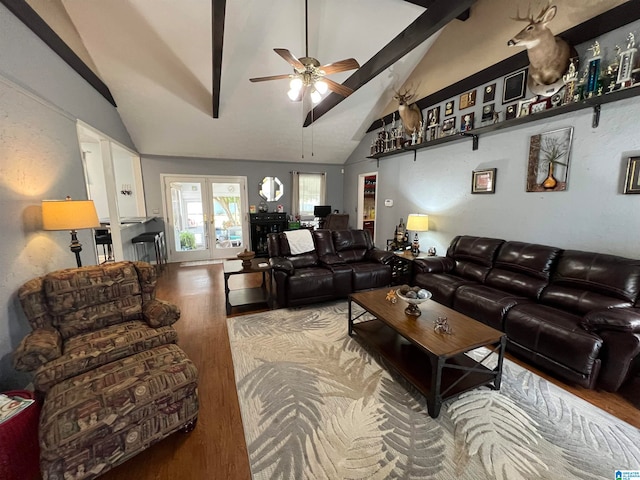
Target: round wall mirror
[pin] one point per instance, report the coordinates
(271, 189)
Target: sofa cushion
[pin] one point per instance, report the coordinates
(441, 285)
(302, 260)
(370, 275)
(92, 349)
(352, 245)
(555, 334)
(309, 283)
(485, 304)
(585, 281)
(523, 268)
(87, 299)
(474, 256)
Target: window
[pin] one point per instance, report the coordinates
(308, 191)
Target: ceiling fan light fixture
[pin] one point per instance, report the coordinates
(315, 96)
(296, 84)
(321, 86)
(293, 94)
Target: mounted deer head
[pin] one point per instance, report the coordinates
(549, 56)
(411, 115)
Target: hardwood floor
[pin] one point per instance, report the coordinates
(216, 448)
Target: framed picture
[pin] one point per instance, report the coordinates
(467, 99)
(433, 117)
(514, 86)
(449, 124)
(632, 181)
(466, 122)
(540, 106)
(487, 112)
(448, 107)
(489, 93)
(484, 181)
(511, 112)
(548, 166)
(523, 107)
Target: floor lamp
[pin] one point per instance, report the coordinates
(70, 215)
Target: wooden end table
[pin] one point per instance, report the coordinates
(435, 363)
(248, 296)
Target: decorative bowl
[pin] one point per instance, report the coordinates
(421, 294)
(246, 257)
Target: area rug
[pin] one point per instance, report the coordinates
(316, 405)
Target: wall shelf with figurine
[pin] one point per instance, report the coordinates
(593, 79)
(594, 102)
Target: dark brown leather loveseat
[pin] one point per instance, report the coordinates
(573, 313)
(343, 261)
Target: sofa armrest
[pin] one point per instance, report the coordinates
(36, 349)
(158, 313)
(381, 256)
(619, 319)
(434, 265)
(331, 259)
(282, 264)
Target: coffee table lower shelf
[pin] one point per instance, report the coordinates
(437, 378)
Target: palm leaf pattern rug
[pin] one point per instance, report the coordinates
(316, 405)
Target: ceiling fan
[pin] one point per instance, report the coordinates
(309, 74)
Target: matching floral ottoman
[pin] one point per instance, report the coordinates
(97, 420)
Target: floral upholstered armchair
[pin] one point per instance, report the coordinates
(83, 318)
(103, 356)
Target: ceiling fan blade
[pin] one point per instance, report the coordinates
(336, 87)
(288, 56)
(341, 66)
(272, 77)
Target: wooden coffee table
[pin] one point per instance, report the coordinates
(435, 363)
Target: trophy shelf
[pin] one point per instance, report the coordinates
(594, 102)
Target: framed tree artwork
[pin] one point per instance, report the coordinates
(548, 167)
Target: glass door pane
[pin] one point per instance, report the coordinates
(228, 198)
(187, 232)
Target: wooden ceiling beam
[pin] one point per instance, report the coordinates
(440, 13)
(37, 25)
(218, 12)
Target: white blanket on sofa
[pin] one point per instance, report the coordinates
(300, 241)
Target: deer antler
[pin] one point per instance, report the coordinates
(543, 12)
(529, 18)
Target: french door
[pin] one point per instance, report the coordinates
(207, 216)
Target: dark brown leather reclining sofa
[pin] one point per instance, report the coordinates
(343, 261)
(573, 313)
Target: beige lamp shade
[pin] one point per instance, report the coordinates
(418, 222)
(69, 214)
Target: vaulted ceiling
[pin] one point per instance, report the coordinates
(181, 83)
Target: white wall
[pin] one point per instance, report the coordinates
(592, 214)
(40, 99)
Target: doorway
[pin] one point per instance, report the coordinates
(207, 216)
(367, 206)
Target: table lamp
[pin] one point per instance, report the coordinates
(70, 215)
(417, 222)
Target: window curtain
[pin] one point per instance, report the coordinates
(308, 190)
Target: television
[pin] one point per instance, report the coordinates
(321, 211)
